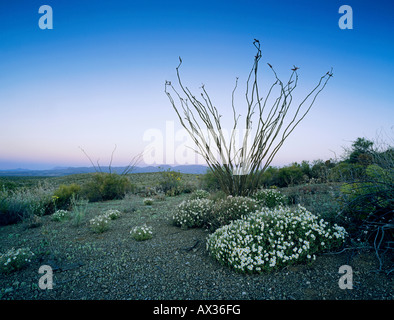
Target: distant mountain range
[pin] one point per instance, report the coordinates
(64, 171)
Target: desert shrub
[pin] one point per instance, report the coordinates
(200, 194)
(142, 233)
(189, 186)
(270, 177)
(322, 199)
(145, 191)
(272, 238)
(5, 216)
(79, 209)
(269, 198)
(14, 260)
(34, 222)
(160, 197)
(7, 185)
(23, 203)
(285, 176)
(209, 181)
(369, 203)
(231, 208)
(106, 186)
(344, 171)
(62, 196)
(321, 171)
(148, 201)
(361, 152)
(192, 213)
(171, 182)
(61, 215)
(290, 175)
(217, 195)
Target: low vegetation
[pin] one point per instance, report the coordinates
(273, 228)
(272, 238)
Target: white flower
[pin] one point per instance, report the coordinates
(245, 245)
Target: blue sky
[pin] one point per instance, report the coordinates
(97, 78)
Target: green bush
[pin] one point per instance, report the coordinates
(273, 238)
(217, 195)
(148, 201)
(62, 196)
(209, 181)
(7, 185)
(322, 199)
(270, 198)
(79, 210)
(106, 186)
(200, 194)
(370, 201)
(347, 172)
(171, 182)
(226, 210)
(285, 176)
(269, 177)
(290, 175)
(23, 203)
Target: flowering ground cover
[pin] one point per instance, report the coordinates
(271, 238)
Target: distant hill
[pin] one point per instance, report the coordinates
(63, 171)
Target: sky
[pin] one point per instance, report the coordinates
(96, 79)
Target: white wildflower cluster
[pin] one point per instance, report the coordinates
(61, 215)
(100, 223)
(141, 233)
(148, 201)
(113, 214)
(200, 194)
(15, 259)
(192, 213)
(273, 238)
(270, 198)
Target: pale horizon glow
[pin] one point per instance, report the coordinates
(96, 79)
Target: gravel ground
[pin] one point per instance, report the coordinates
(174, 264)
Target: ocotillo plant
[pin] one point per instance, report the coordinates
(239, 168)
